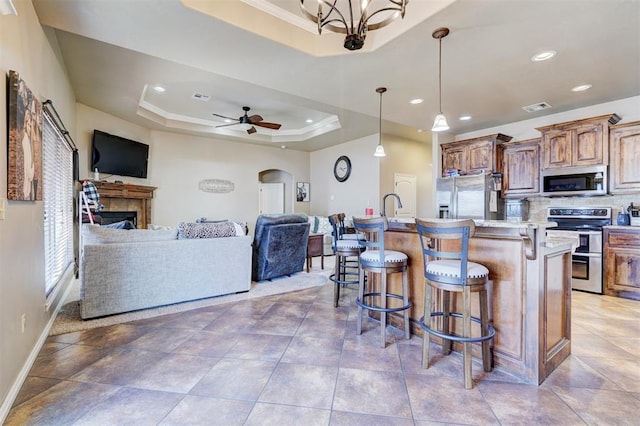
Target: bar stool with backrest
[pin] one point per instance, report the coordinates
(445, 249)
(347, 271)
(377, 260)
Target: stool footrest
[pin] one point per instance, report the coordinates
(375, 308)
(453, 337)
(333, 278)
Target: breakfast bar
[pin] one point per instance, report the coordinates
(529, 291)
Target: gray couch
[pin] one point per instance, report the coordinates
(128, 270)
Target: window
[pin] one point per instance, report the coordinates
(58, 203)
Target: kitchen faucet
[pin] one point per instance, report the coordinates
(384, 202)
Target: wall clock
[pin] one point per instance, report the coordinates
(342, 168)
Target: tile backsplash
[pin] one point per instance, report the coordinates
(538, 205)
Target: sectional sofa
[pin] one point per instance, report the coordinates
(128, 270)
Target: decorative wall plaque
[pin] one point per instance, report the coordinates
(216, 186)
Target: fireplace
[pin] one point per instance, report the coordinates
(116, 216)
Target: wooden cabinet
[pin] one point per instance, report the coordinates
(473, 156)
(577, 143)
(622, 261)
(625, 158)
(520, 168)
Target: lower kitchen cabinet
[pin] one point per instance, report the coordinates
(622, 261)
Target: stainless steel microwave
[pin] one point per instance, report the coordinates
(588, 180)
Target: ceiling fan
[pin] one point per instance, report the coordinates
(254, 120)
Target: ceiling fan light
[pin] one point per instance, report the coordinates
(379, 152)
(440, 123)
(244, 126)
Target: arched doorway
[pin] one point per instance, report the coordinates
(275, 183)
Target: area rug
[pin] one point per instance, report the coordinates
(68, 319)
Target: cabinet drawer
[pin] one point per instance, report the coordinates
(627, 239)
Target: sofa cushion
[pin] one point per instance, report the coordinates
(95, 234)
(187, 230)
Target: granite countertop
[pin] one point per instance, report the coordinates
(401, 222)
(625, 228)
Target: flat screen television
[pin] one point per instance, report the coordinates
(118, 156)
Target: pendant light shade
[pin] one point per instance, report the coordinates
(440, 122)
(380, 149)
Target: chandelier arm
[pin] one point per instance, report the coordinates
(325, 21)
(371, 27)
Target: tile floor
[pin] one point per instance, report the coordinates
(294, 359)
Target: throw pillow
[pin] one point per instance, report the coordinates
(324, 227)
(187, 230)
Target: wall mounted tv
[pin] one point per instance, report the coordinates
(118, 156)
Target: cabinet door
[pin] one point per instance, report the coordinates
(588, 145)
(480, 157)
(625, 159)
(521, 169)
(454, 158)
(557, 148)
(622, 269)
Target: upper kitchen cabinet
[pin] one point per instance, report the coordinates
(520, 168)
(625, 158)
(473, 156)
(577, 143)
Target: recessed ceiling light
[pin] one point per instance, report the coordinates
(543, 56)
(581, 88)
(309, 120)
(159, 89)
(283, 146)
(465, 118)
(416, 101)
(420, 130)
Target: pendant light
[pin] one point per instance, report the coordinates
(380, 149)
(440, 123)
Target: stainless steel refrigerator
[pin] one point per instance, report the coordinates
(470, 197)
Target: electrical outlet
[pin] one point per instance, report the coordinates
(24, 322)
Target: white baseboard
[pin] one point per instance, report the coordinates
(26, 367)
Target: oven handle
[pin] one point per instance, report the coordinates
(587, 255)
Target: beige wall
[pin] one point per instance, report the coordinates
(25, 49)
(361, 190)
(412, 158)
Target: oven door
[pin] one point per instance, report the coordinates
(586, 272)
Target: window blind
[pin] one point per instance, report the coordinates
(58, 203)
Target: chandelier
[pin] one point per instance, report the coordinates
(354, 20)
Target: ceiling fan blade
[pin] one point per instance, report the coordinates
(254, 119)
(274, 126)
(227, 125)
(223, 116)
(252, 130)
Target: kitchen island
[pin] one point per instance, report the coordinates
(529, 291)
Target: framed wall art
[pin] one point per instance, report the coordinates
(302, 192)
(24, 162)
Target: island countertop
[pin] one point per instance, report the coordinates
(529, 289)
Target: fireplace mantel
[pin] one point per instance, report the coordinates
(127, 197)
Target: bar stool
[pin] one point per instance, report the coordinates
(377, 260)
(346, 270)
(445, 249)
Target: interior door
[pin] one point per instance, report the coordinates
(405, 187)
(271, 198)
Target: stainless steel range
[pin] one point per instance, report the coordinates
(585, 224)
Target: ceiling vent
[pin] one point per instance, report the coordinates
(201, 97)
(536, 107)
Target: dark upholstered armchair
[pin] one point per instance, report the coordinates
(279, 245)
